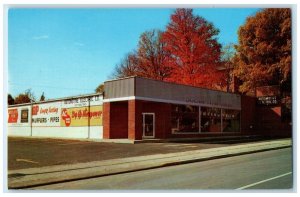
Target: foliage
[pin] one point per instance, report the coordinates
(264, 50)
(227, 60)
(42, 98)
(192, 49)
(100, 88)
(10, 100)
(26, 97)
(151, 56)
(127, 66)
(187, 52)
(147, 62)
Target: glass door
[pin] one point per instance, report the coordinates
(148, 125)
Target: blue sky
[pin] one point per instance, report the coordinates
(68, 52)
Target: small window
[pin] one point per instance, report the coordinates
(24, 115)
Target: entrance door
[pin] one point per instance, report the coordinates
(148, 125)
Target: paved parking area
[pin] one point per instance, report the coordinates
(31, 152)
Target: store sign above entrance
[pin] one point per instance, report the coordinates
(213, 102)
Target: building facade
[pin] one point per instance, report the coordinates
(72, 117)
(138, 108)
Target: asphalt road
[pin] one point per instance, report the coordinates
(30, 153)
(264, 170)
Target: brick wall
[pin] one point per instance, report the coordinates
(269, 121)
(106, 120)
(135, 124)
(119, 120)
(248, 114)
(162, 117)
(115, 120)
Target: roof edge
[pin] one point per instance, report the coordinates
(53, 100)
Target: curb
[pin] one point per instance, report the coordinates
(23, 179)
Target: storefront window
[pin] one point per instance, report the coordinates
(231, 120)
(185, 118)
(210, 119)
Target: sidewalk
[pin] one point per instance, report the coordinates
(25, 178)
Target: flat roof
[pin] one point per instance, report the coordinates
(173, 83)
(58, 99)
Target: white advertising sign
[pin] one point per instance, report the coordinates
(47, 114)
(19, 116)
(83, 101)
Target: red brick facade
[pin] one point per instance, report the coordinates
(124, 119)
(115, 120)
(262, 120)
(135, 124)
(248, 124)
(106, 120)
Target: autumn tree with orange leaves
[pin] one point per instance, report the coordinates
(193, 52)
(187, 52)
(264, 50)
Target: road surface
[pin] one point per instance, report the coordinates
(264, 170)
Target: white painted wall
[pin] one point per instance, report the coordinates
(48, 120)
(96, 132)
(19, 131)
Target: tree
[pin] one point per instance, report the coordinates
(127, 67)
(264, 50)
(147, 62)
(100, 88)
(26, 97)
(42, 98)
(151, 56)
(10, 100)
(192, 49)
(227, 59)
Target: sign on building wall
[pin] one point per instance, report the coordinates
(24, 116)
(81, 116)
(47, 114)
(82, 111)
(82, 102)
(268, 100)
(75, 111)
(19, 116)
(12, 115)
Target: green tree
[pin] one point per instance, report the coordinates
(42, 98)
(264, 50)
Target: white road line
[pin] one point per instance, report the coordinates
(71, 143)
(27, 160)
(263, 181)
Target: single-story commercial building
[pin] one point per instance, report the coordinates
(137, 108)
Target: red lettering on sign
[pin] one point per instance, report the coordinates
(12, 116)
(35, 109)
